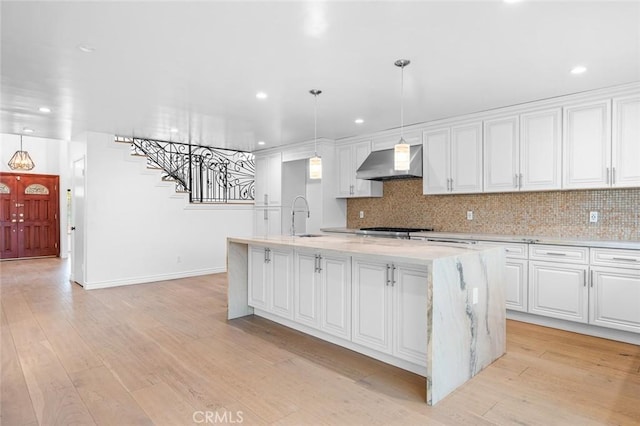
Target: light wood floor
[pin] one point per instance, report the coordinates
(163, 353)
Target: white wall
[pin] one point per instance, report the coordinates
(50, 158)
(138, 230)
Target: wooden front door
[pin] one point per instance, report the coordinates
(29, 215)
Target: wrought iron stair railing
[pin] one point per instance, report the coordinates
(208, 175)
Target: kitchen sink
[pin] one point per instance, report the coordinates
(308, 235)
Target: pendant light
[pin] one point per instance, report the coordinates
(21, 160)
(315, 162)
(401, 150)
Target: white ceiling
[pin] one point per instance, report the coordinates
(197, 66)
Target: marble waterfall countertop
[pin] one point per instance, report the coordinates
(390, 248)
(632, 245)
(453, 299)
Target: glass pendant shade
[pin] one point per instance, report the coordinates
(401, 155)
(21, 160)
(401, 150)
(315, 167)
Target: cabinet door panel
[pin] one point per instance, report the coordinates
(346, 175)
(615, 298)
(501, 154)
(281, 282)
(336, 296)
(540, 150)
(410, 314)
(371, 325)
(626, 145)
(436, 161)
(258, 296)
(587, 145)
(516, 279)
(558, 290)
(306, 290)
(466, 158)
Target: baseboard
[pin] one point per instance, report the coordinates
(576, 327)
(152, 278)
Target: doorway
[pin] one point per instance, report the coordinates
(29, 216)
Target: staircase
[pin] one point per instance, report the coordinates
(206, 174)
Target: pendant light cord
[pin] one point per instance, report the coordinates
(402, 103)
(315, 124)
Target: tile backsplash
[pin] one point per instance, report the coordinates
(562, 214)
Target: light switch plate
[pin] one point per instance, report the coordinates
(593, 217)
(470, 215)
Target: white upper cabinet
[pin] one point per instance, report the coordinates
(625, 155)
(268, 180)
(349, 158)
(587, 145)
(501, 154)
(436, 161)
(541, 150)
(452, 160)
(523, 153)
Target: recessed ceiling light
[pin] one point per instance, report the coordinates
(358, 121)
(261, 95)
(261, 142)
(578, 69)
(86, 48)
(173, 130)
(44, 109)
(27, 130)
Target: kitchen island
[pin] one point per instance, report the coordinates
(433, 309)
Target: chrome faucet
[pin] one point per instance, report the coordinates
(293, 213)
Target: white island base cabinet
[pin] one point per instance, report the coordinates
(390, 308)
(436, 311)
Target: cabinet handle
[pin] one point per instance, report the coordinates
(515, 180)
(393, 274)
(267, 255)
(613, 176)
(388, 280)
(625, 259)
(315, 263)
(591, 278)
(319, 263)
(584, 277)
(520, 182)
(266, 199)
(553, 253)
(266, 215)
(608, 176)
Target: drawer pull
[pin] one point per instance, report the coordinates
(625, 259)
(553, 253)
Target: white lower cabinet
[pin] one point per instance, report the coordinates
(271, 280)
(323, 292)
(559, 290)
(615, 291)
(516, 284)
(389, 308)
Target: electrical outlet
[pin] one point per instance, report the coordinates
(361, 214)
(469, 215)
(593, 217)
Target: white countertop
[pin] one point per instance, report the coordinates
(632, 245)
(396, 249)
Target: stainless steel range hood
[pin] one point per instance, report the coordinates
(379, 166)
